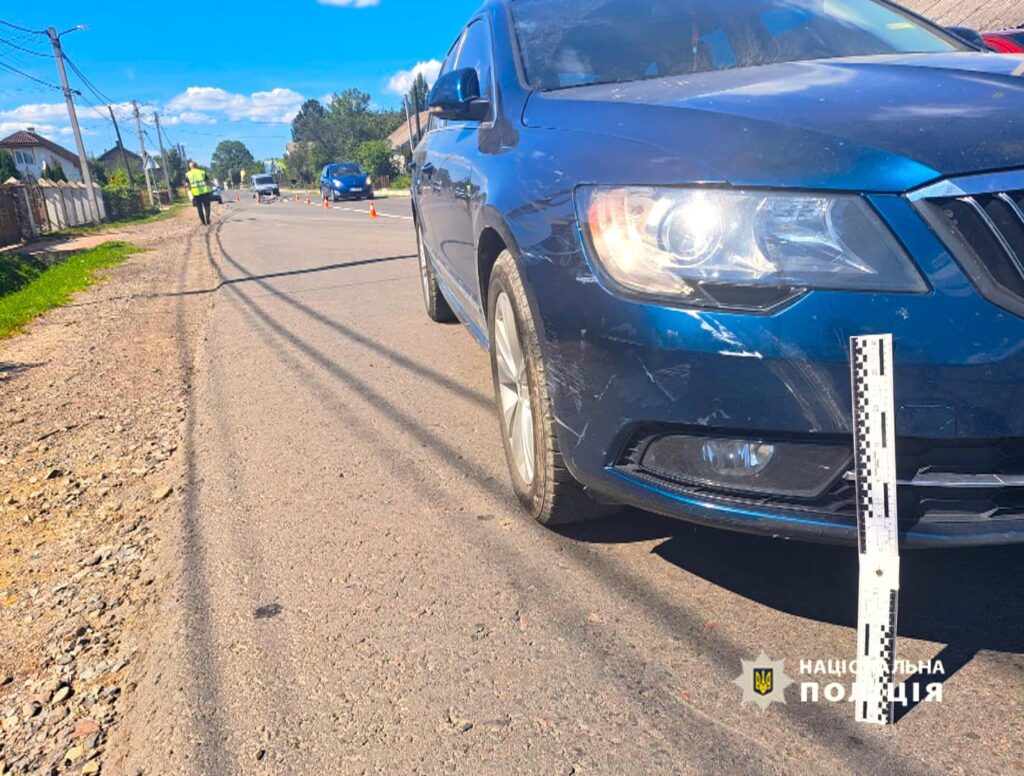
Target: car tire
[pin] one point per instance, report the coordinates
(546, 489)
(438, 309)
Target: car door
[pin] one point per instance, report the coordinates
(462, 187)
(428, 157)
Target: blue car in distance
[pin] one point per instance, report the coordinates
(666, 218)
(345, 181)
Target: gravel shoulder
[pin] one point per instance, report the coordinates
(93, 400)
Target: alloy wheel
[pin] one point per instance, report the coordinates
(514, 389)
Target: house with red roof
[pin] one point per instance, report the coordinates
(33, 153)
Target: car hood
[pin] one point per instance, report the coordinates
(887, 123)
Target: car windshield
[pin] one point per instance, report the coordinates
(262, 180)
(345, 169)
(580, 42)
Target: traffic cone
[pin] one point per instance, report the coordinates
(373, 210)
(308, 200)
(327, 205)
(238, 197)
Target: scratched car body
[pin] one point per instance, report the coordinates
(666, 218)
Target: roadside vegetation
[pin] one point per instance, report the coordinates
(28, 287)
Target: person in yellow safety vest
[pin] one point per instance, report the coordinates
(201, 190)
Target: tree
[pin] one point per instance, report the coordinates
(99, 174)
(374, 156)
(230, 158)
(304, 161)
(175, 167)
(351, 122)
(335, 134)
(418, 93)
(55, 172)
(309, 125)
(8, 167)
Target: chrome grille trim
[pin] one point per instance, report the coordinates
(980, 220)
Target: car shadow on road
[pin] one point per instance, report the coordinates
(8, 368)
(967, 599)
(293, 273)
(228, 282)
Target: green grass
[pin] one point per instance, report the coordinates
(28, 288)
(140, 218)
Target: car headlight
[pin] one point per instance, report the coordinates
(736, 248)
(369, 181)
(337, 183)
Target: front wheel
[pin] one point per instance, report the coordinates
(540, 478)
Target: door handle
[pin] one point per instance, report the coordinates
(428, 169)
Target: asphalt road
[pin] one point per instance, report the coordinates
(364, 594)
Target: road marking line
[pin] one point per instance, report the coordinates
(367, 213)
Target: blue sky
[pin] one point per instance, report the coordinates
(216, 70)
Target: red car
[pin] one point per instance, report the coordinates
(1005, 41)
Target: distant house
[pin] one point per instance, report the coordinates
(33, 153)
(399, 139)
(981, 15)
(112, 159)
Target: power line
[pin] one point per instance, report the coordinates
(22, 73)
(14, 45)
(21, 29)
(88, 84)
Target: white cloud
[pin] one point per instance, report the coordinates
(277, 105)
(49, 131)
(36, 113)
(401, 82)
(188, 117)
(350, 3)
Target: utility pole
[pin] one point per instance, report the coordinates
(82, 159)
(419, 127)
(120, 145)
(408, 120)
(145, 159)
(163, 158)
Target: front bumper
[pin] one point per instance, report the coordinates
(349, 193)
(619, 369)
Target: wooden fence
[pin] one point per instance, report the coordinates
(33, 208)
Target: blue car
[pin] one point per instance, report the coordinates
(345, 181)
(665, 219)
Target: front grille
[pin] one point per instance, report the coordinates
(941, 481)
(985, 233)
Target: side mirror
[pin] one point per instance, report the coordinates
(968, 35)
(456, 96)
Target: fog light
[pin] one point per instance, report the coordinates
(736, 458)
(777, 468)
